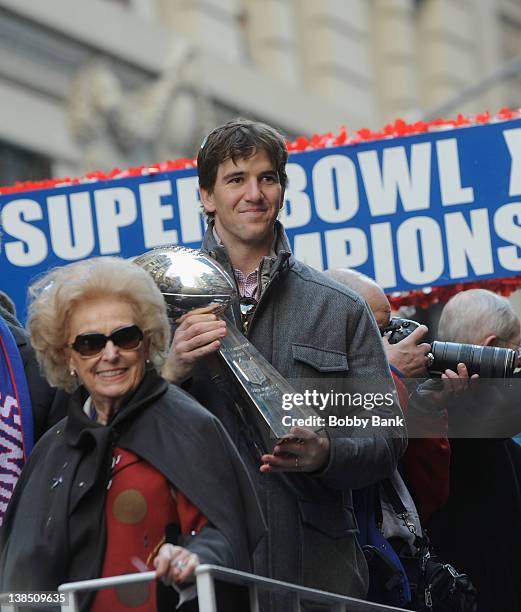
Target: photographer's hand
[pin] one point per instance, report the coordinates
(456, 382)
(435, 392)
(410, 355)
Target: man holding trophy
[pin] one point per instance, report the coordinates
(311, 331)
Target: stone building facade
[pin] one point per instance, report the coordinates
(105, 83)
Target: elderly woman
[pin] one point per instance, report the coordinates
(138, 473)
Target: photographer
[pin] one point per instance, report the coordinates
(426, 461)
(479, 528)
(424, 467)
(480, 328)
(408, 358)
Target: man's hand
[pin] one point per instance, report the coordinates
(456, 382)
(197, 335)
(461, 373)
(175, 564)
(435, 392)
(407, 355)
(301, 451)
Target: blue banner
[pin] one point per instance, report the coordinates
(430, 209)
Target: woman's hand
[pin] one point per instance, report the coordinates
(175, 564)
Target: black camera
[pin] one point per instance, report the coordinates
(398, 329)
(487, 361)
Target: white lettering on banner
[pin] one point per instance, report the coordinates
(308, 249)
(468, 244)
(30, 248)
(70, 227)
(420, 250)
(190, 213)
(420, 247)
(340, 204)
(383, 254)
(346, 247)
(382, 185)
(297, 205)
(7, 407)
(450, 175)
(115, 208)
(507, 223)
(513, 140)
(154, 213)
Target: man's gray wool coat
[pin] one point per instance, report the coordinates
(318, 335)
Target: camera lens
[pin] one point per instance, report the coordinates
(487, 361)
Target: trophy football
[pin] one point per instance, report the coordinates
(189, 279)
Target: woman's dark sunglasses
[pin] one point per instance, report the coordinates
(90, 344)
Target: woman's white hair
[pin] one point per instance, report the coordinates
(54, 297)
(470, 316)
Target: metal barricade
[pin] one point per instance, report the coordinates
(71, 588)
(206, 575)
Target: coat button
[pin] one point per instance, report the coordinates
(81, 484)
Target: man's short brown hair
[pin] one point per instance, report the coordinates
(240, 139)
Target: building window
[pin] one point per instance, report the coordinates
(20, 165)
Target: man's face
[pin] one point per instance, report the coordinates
(246, 200)
(380, 306)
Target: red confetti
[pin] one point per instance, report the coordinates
(443, 293)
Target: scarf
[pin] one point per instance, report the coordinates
(16, 422)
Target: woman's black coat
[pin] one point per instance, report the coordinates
(54, 529)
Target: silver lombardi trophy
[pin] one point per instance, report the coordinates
(189, 279)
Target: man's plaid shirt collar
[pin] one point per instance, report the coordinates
(247, 284)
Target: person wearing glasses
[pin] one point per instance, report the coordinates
(308, 327)
(485, 466)
(136, 474)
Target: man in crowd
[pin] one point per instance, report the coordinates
(408, 358)
(483, 318)
(426, 462)
(479, 529)
(307, 327)
(478, 316)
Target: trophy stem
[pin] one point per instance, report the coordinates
(260, 382)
